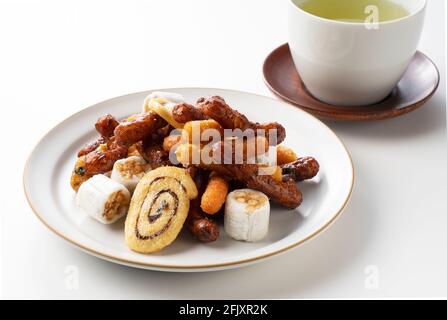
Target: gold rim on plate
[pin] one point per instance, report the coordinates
(186, 267)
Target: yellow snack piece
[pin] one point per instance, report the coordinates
(285, 155)
(277, 175)
(193, 129)
(162, 107)
(188, 154)
(274, 171)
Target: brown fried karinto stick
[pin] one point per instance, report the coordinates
(100, 156)
(279, 129)
(302, 169)
(201, 227)
(138, 129)
(101, 161)
(239, 150)
(126, 134)
(154, 155)
(217, 109)
(105, 127)
(184, 112)
(285, 193)
(152, 150)
(92, 146)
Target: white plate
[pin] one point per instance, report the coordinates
(48, 170)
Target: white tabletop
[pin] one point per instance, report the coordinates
(60, 56)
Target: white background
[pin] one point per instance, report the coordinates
(57, 57)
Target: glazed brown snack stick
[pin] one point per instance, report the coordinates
(184, 112)
(105, 127)
(202, 228)
(154, 155)
(301, 169)
(280, 130)
(216, 108)
(158, 136)
(285, 193)
(228, 118)
(101, 161)
(152, 150)
(92, 146)
(138, 129)
(127, 133)
(225, 151)
(99, 156)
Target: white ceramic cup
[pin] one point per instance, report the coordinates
(344, 63)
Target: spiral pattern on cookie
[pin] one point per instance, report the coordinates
(158, 209)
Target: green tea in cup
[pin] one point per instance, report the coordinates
(353, 52)
(353, 10)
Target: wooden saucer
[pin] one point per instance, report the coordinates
(416, 87)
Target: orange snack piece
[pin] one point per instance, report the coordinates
(215, 194)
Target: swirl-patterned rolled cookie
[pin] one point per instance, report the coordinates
(158, 209)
